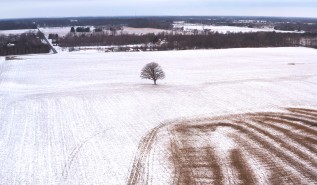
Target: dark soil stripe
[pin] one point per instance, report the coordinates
(277, 151)
(278, 174)
(300, 139)
(245, 174)
(189, 159)
(278, 119)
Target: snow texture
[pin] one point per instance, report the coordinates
(77, 118)
(8, 32)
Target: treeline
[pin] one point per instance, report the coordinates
(308, 27)
(80, 29)
(151, 23)
(106, 39)
(165, 41)
(137, 22)
(27, 43)
(16, 25)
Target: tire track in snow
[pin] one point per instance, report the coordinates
(74, 153)
(140, 160)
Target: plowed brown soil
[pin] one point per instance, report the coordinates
(268, 148)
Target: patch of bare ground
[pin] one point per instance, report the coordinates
(195, 165)
(257, 148)
(7, 58)
(239, 163)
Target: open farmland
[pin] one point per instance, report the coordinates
(62, 31)
(225, 29)
(81, 117)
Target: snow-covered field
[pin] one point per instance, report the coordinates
(62, 31)
(78, 118)
(139, 31)
(225, 29)
(8, 32)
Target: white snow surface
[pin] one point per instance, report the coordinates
(140, 31)
(77, 118)
(8, 32)
(61, 31)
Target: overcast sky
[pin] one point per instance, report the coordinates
(74, 8)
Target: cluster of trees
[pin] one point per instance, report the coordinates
(54, 38)
(105, 39)
(151, 23)
(200, 41)
(307, 27)
(27, 43)
(80, 29)
(98, 29)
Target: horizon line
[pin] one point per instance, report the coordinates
(141, 16)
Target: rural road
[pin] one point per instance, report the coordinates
(48, 42)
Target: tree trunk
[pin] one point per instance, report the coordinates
(154, 82)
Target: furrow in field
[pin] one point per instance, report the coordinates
(308, 112)
(278, 119)
(194, 165)
(282, 150)
(291, 136)
(239, 163)
(274, 166)
(265, 150)
(294, 118)
(285, 144)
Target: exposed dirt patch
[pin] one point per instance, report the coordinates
(257, 148)
(12, 58)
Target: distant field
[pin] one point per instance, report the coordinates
(138, 31)
(225, 29)
(79, 117)
(8, 32)
(62, 31)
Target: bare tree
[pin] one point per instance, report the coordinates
(152, 71)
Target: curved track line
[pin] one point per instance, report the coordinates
(74, 153)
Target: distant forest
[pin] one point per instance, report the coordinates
(164, 22)
(166, 41)
(140, 22)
